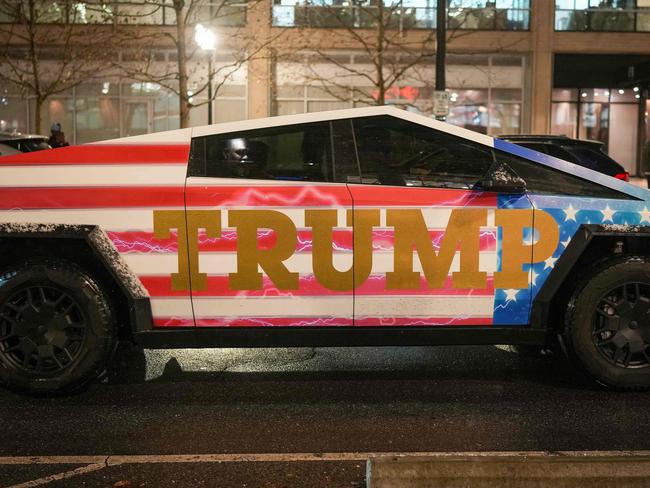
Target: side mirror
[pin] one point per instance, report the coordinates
(501, 178)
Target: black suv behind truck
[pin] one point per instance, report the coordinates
(589, 154)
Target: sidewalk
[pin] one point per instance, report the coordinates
(516, 470)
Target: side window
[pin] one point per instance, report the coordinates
(541, 179)
(400, 153)
(297, 152)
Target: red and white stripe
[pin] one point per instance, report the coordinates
(117, 186)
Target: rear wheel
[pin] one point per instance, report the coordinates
(608, 324)
(56, 328)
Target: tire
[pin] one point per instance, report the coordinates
(608, 324)
(57, 330)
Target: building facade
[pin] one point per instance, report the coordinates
(574, 67)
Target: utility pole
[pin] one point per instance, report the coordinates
(441, 97)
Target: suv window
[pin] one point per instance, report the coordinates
(593, 158)
(561, 153)
(396, 152)
(296, 152)
(544, 180)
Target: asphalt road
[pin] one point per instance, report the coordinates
(338, 400)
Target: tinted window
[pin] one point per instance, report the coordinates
(297, 152)
(558, 152)
(396, 152)
(544, 180)
(595, 159)
(535, 146)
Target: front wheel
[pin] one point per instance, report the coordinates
(608, 324)
(57, 331)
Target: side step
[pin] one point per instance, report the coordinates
(537, 470)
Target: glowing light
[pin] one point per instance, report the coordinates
(205, 38)
(636, 89)
(621, 92)
(584, 95)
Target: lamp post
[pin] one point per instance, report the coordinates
(206, 40)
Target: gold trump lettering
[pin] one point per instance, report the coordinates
(463, 231)
(250, 256)
(187, 225)
(411, 236)
(515, 253)
(322, 223)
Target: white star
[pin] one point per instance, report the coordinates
(608, 214)
(511, 295)
(550, 262)
(645, 215)
(566, 243)
(570, 213)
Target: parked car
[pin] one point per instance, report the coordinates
(369, 226)
(586, 153)
(16, 143)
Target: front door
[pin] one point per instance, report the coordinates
(269, 229)
(444, 253)
(137, 117)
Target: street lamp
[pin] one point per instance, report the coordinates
(206, 40)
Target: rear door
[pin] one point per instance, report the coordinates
(444, 253)
(268, 242)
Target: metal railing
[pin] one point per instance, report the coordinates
(332, 16)
(597, 19)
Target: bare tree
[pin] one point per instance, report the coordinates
(389, 37)
(45, 50)
(192, 76)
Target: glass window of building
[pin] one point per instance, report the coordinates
(609, 115)
(223, 12)
(486, 91)
(598, 16)
(406, 14)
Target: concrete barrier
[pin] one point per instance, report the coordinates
(535, 471)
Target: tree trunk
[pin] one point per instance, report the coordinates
(183, 97)
(38, 109)
(379, 62)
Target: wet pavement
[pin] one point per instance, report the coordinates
(324, 400)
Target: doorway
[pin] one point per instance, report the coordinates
(137, 117)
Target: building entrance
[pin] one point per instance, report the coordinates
(608, 105)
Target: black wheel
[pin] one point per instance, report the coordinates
(608, 324)
(56, 328)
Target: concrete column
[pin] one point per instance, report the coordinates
(259, 68)
(542, 27)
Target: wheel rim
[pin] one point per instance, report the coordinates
(621, 326)
(42, 330)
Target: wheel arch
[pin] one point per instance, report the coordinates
(90, 248)
(590, 246)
